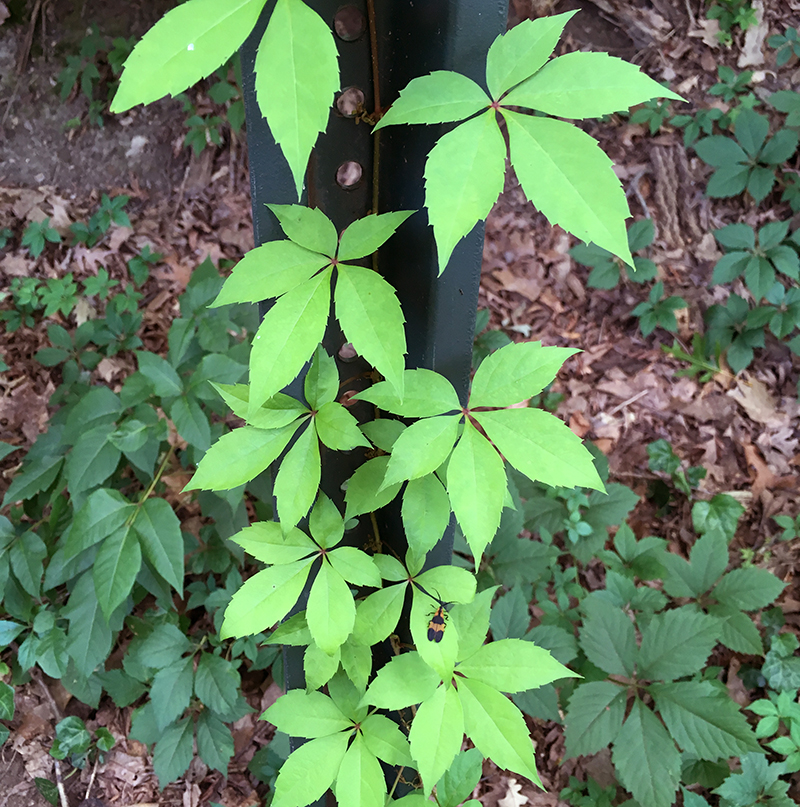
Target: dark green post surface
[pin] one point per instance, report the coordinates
(414, 38)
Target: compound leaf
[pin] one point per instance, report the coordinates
(365, 235)
(441, 97)
(586, 85)
(269, 271)
(476, 485)
(297, 481)
(520, 52)
(425, 513)
(704, 722)
(286, 338)
(297, 74)
(331, 611)
(425, 394)
(264, 599)
(541, 446)
(676, 643)
(240, 456)
(115, 568)
(370, 315)
(436, 735)
(516, 372)
(308, 227)
(594, 717)
(570, 179)
(360, 781)
(497, 728)
(463, 178)
(188, 43)
(646, 759)
(422, 448)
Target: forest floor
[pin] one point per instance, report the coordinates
(621, 392)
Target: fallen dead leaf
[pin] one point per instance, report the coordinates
(754, 397)
(753, 48)
(513, 797)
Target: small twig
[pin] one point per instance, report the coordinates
(629, 401)
(22, 61)
(37, 676)
(689, 11)
(634, 187)
(91, 779)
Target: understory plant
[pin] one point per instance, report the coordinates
(110, 554)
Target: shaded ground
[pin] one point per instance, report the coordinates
(620, 392)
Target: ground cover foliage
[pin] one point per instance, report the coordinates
(110, 555)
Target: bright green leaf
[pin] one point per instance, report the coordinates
(463, 178)
(570, 180)
(520, 52)
(370, 315)
(476, 485)
(425, 512)
(297, 481)
(240, 456)
(297, 75)
(330, 611)
(541, 446)
(441, 97)
(426, 394)
(269, 271)
(188, 43)
(365, 492)
(422, 448)
(337, 428)
(365, 235)
(586, 85)
(288, 335)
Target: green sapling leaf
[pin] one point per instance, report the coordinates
(646, 759)
(187, 44)
(594, 718)
(321, 383)
(378, 614)
(267, 542)
(384, 740)
(520, 52)
(355, 566)
(325, 522)
(497, 728)
(310, 770)
(426, 393)
(331, 611)
(703, 721)
(306, 714)
(476, 484)
(287, 337)
(516, 372)
(675, 644)
(460, 779)
(308, 227)
(297, 74)
(586, 85)
(297, 480)
(569, 178)
(425, 513)
(173, 752)
(422, 448)
(383, 432)
(318, 666)
(360, 780)
(240, 456)
(463, 177)
(441, 97)
(541, 446)
(405, 680)
(436, 735)
(370, 315)
(607, 637)
(265, 599)
(269, 270)
(337, 428)
(214, 741)
(115, 568)
(365, 235)
(514, 665)
(365, 492)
